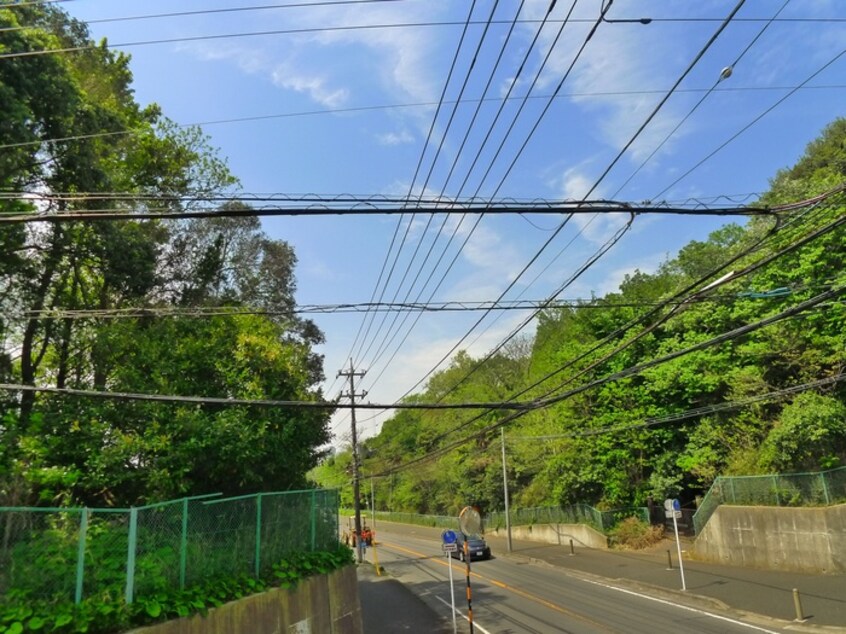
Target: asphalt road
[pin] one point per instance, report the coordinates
(511, 596)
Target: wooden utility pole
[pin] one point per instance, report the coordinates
(351, 374)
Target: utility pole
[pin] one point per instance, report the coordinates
(505, 491)
(351, 374)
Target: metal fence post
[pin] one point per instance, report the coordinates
(258, 535)
(314, 519)
(775, 490)
(80, 555)
(183, 545)
(129, 595)
(823, 475)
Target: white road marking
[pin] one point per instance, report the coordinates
(682, 607)
(459, 613)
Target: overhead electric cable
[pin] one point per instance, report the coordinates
(666, 97)
(521, 407)
(605, 7)
(749, 125)
(567, 209)
(411, 186)
(182, 14)
(487, 136)
(434, 161)
(725, 74)
(397, 106)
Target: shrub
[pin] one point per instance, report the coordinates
(635, 534)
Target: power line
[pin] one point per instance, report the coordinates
(750, 124)
(410, 223)
(725, 74)
(670, 92)
(410, 192)
(605, 7)
(567, 208)
(484, 142)
(398, 106)
(180, 14)
(579, 303)
(520, 407)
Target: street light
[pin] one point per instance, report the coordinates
(621, 20)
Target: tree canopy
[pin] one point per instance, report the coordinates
(71, 127)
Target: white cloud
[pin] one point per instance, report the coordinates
(396, 138)
(574, 184)
(315, 86)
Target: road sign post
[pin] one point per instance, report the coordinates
(672, 508)
(449, 538)
(470, 523)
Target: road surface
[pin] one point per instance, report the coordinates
(512, 596)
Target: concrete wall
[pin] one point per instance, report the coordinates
(581, 534)
(800, 539)
(326, 604)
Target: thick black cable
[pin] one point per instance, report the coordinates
(520, 407)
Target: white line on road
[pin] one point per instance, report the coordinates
(458, 612)
(683, 607)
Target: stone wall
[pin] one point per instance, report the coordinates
(800, 539)
(325, 604)
(581, 534)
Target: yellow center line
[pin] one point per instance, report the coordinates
(526, 595)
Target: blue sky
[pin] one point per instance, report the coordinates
(622, 74)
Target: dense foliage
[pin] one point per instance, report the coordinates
(107, 613)
(58, 449)
(606, 445)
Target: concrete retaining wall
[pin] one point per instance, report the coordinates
(799, 539)
(326, 604)
(581, 534)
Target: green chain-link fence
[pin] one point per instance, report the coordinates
(792, 489)
(73, 553)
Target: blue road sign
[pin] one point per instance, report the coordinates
(676, 505)
(449, 536)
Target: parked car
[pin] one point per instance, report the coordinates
(476, 545)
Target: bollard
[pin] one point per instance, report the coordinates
(797, 603)
(572, 549)
(669, 560)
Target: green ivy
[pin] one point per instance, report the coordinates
(105, 614)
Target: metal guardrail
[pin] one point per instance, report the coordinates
(572, 514)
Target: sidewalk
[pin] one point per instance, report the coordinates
(763, 592)
(388, 606)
